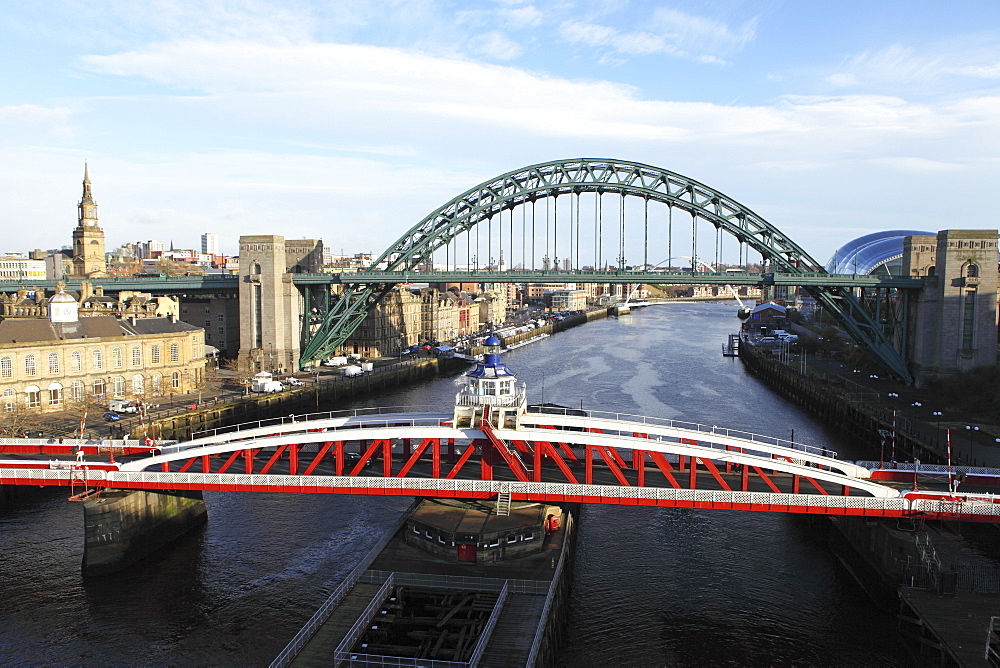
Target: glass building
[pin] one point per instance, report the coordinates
(878, 253)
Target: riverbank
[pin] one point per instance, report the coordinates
(946, 588)
(332, 392)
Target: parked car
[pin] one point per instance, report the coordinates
(294, 382)
(111, 416)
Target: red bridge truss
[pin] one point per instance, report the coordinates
(587, 458)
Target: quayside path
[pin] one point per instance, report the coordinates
(553, 456)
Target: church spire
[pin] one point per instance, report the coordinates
(88, 198)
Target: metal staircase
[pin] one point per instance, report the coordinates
(510, 455)
(503, 500)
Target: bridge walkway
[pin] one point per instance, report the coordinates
(510, 644)
(320, 648)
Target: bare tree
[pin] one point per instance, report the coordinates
(19, 420)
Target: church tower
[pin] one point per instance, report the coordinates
(88, 237)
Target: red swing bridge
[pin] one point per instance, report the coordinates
(494, 446)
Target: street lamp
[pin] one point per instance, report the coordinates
(970, 432)
(937, 424)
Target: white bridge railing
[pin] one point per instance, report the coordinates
(968, 505)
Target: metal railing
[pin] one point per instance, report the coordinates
(536, 643)
(693, 427)
(365, 619)
(297, 420)
(487, 632)
(534, 587)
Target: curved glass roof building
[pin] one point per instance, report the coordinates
(878, 253)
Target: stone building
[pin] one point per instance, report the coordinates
(92, 301)
(48, 364)
(391, 327)
(219, 317)
(272, 309)
(88, 237)
(953, 325)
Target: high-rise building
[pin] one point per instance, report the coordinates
(88, 237)
(209, 244)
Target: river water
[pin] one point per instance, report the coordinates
(650, 586)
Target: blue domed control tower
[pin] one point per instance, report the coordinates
(490, 392)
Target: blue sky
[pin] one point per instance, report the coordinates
(350, 121)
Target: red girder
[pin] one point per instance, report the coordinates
(774, 488)
(715, 473)
(462, 460)
(319, 457)
(229, 462)
(418, 453)
(609, 459)
(546, 449)
(274, 458)
(665, 468)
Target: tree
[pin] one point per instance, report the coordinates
(19, 420)
(242, 367)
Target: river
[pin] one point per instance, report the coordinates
(650, 586)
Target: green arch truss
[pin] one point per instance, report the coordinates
(581, 175)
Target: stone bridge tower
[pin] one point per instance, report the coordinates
(953, 324)
(271, 307)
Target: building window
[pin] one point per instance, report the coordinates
(55, 394)
(154, 354)
(76, 391)
(175, 352)
(175, 380)
(972, 271)
(136, 356)
(222, 317)
(53, 363)
(29, 365)
(33, 397)
(97, 360)
(117, 359)
(6, 367)
(194, 348)
(8, 400)
(969, 320)
(157, 384)
(76, 361)
(118, 389)
(138, 385)
(99, 389)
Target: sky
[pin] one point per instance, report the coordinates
(351, 121)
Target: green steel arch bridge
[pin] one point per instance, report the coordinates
(494, 232)
(616, 220)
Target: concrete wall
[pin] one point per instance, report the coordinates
(123, 527)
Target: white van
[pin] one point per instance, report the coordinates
(122, 406)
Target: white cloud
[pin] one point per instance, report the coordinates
(495, 45)
(27, 123)
(668, 32)
(895, 65)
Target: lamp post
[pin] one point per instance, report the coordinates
(937, 424)
(970, 431)
(892, 396)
